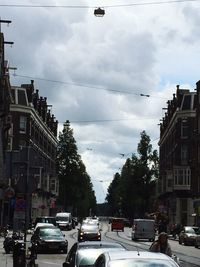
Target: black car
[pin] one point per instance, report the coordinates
(45, 219)
(85, 253)
(49, 238)
(89, 232)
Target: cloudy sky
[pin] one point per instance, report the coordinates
(93, 70)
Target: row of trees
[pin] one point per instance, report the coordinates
(131, 193)
(76, 190)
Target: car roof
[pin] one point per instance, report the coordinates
(91, 254)
(125, 254)
(99, 244)
(46, 225)
(44, 217)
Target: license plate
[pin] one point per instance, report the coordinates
(53, 246)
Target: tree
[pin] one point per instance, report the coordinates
(76, 192)
(134, 189)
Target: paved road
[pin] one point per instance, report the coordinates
(189, 256)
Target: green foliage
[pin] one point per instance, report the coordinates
(76, 190)
(131, 194)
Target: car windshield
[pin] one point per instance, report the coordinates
(90, 228)
(50, 232)
(87, 257)
(141, 263)
(64, 219)
(192, 230)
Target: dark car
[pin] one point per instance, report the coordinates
(49, 238)
(84, 254)
(45, 219)
(188, 235)
(89, 232)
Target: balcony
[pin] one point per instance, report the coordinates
(182, 187)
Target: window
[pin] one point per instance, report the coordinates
(184, 154)
(182, 176)
(53, 185)
(184, 128)
(22, 125)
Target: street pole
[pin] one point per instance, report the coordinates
(27, 198)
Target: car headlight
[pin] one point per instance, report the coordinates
(81, 233)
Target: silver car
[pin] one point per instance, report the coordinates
(134, 259)
(188, 234)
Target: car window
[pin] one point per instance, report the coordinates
(191, 230)
(87, 256)
(71, 254)
(50, 232)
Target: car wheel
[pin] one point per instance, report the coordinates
(185, 243)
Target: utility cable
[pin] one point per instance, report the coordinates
(80, 84)
(106, 6)
(86, 86)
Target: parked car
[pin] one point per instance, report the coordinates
(49, 238)
(89, 232)
(197, 239)
(117, 224)
(188, 234)
(133, 259)
(86, 253)
(45, 219)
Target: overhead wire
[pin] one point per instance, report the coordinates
(105, 6)
(87, 86)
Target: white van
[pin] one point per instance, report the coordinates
(64, 220)
(143, 229)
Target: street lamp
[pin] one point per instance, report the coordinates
(99, 12)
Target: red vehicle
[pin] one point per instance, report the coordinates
(117, 224)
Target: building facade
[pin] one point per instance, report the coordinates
(31, 155)
(179, 179)
(5, 99)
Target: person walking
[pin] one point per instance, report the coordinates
(161, 245)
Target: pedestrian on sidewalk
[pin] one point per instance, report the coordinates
(161, 245)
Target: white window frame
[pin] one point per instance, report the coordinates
(182, 177)
(22, 124)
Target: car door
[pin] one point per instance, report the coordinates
(71, 256)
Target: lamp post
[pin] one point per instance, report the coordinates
(27, 197)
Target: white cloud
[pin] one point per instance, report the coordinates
(141, 49)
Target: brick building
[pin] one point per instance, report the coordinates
(31, 154)
(5, 99)
(179, 180)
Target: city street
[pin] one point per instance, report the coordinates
(189, 256)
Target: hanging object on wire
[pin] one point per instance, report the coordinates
(99, 12)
